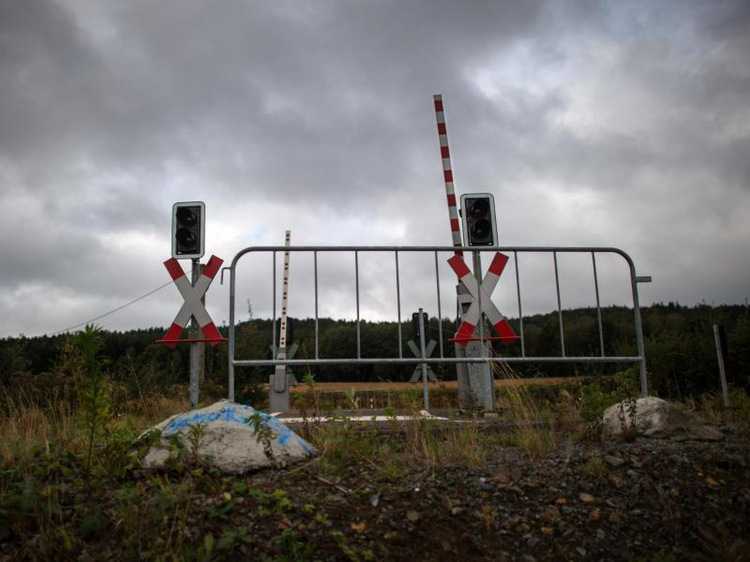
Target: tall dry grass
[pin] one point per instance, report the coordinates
(26, 425)
(532, 433)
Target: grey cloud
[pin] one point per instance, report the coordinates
(318, 116)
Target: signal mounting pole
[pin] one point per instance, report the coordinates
(197, 349)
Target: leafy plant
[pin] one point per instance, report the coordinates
(291, 547)
(263, 433)
(340, 540)
(626, 414)
(195, 435)
(93, 387)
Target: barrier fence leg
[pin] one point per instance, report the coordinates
(425, 392)
(278, 398)
(465, 394)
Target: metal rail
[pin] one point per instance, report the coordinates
(448, 251)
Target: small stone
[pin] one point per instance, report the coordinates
(595, 514)
(412, 515)
(550, 514)
(616, 481)
(548, 531)
(390, 535)
(374, 500)
(600, 534)
(448, 502)
(614, 461)
(581, 551)
(586, 498)
(457, 510)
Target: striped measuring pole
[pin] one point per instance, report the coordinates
(447, 172)
(279, 380)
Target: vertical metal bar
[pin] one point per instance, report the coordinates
(230, 351)
(315, 268)
(598, 306)
(559, 307)
(425, 392)
(356, 283)
(398, 309)
(520, 311)
(440, 313)
(273, 321)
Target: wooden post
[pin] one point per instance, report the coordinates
(718, 339)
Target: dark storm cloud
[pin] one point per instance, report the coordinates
(613, 123)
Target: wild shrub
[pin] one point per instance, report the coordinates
(599, 394)
(93, 391)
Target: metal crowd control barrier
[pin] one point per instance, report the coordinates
(437, 251)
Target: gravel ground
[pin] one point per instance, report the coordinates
(646, 500)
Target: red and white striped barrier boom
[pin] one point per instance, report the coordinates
(192, 305)
(447, 172)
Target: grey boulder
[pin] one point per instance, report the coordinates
(656, 418)
(222, 435)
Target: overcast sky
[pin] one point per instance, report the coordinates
(620, 124)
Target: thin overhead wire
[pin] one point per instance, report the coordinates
(112, 311)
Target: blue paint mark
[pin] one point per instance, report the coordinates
(238, 414)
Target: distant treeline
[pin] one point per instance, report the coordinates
(679, 342)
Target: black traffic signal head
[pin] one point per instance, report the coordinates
(478, 213)
(415, 325)
(188, 229)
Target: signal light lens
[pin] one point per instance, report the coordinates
(481, 231)
(186, 239)
(479, 208)
(186, 217)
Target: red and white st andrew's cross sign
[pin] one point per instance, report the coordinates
(192, 305)
(470, 319)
